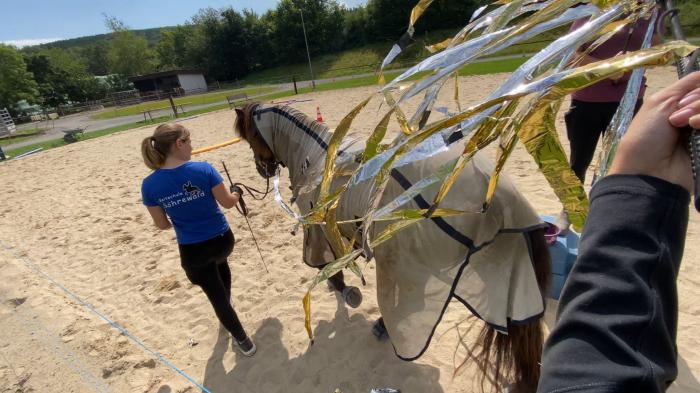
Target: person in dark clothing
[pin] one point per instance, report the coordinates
(593, 108)
(617, 317)
(184, 195)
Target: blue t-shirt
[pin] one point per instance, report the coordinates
(185, 195)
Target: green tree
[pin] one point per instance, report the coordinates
(95, 58)
(127, 53)
(179, 47)
(256, 41)
(357, 28)
(226, 43)
(116, 82)
(16, 83)
(323, 20)
(62, 77)
(388, 19)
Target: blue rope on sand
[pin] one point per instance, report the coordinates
(115, 325)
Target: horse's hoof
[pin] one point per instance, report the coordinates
(352, 296)
(379, 330)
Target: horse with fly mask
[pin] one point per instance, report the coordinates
(495, 263)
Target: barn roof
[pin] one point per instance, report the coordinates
(165, 73)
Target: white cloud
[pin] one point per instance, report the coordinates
(30, 42)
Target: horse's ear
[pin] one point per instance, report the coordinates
(239, 112)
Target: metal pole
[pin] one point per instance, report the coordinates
(172, 104)
(308, 55)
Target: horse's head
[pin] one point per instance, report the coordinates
(265, 160)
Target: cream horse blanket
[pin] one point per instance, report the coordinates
(483, 261)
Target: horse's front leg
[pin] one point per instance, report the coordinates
(353, 298)
(318, 253)
(351, 295)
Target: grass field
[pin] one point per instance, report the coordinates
(366, 59)
(489, 67)
(21, 136)
(189, 100)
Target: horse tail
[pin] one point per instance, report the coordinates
(517, 355)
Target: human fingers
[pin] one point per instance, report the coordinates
(685, 85)
(694, 122)
(690, 97)
(681, 117)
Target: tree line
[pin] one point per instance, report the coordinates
(226, 44)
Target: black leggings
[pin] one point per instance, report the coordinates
(585, 123)
(206, 266)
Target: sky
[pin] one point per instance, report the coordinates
(31, 22)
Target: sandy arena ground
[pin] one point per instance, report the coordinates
(75, 214)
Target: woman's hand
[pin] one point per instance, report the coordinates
(236, 190)
(224, 197)
(652, 145)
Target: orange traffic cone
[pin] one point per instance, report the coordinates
(319, 118)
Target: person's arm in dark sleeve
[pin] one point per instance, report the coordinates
(616, 328)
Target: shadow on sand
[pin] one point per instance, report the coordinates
(345, 355)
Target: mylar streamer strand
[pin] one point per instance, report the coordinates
(418, 10)
(372, 147)
(334, 144)
(405, 40)
(554, 86)
(540, 138)
(565, 82)
(487, 132)
(625, 111)
(505, 147)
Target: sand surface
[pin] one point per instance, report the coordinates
(74, 215)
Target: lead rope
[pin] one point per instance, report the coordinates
(244, 209)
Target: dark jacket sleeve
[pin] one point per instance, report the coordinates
(616, 327)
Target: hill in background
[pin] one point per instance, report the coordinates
(151, 35)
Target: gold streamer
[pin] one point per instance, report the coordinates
(534, 126)
(538, 135)
(400, 116)
(486, 133)
(434, 48)
(329, 171)
(508, 138)
(459, 107)
(506, 16)
(306, 302)
(418, 10)
(372, 147)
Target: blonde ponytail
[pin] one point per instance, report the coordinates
(155, 149)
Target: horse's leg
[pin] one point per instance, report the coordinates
(350, 294)
(337, 281)
(379, 329)
(318, 253)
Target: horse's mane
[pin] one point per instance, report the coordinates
(244, 120)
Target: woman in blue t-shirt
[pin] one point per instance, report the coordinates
(184, 195)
